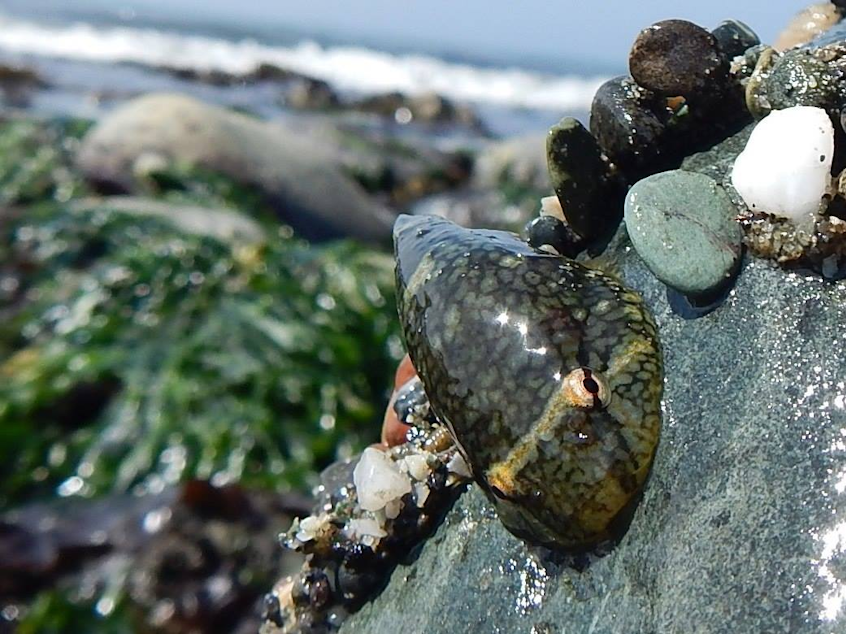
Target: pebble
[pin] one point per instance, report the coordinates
(785, 167)
(545, 232)
(677, 57)
(800, 78)
(734, 38)
(682, 226)
(378, 481)
(626, 128)
(393, 429)
(580, 177)
(551, 206)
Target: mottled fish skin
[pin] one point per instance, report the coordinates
(492, 327)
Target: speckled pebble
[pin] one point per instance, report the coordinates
(801, 78)
(677, 57)
(627, 129)
(682, 225)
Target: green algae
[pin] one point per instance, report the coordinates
(133, 354)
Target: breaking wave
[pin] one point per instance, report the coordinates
(350, 68)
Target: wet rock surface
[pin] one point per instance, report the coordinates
(744, 498)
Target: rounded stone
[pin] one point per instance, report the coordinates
(800, 78)
(677, 58)
(589, 197)
(299, 176)
(549, 231)
(734, 38)
(626, 128)
(682, 226)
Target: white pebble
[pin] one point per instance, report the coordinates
(378, 481)
(458, 466)
(392, 509)
(364, 526)
(421, 493)
(310, 527)
(785, 168)
(417, 466)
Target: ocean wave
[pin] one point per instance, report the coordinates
(346, 67)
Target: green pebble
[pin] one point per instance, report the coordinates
(580, 177)
(682, 226)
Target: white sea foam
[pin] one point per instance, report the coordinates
(348, 68)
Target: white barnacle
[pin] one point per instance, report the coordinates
(785, 167)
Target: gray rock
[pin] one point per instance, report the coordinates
(682, 225)
(227, 225)
(799, 78)
(310, 94)
(741, 527)
(298, 176)
(520, 160)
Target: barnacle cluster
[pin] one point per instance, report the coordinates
(370, 513)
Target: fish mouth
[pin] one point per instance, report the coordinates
(406, 223)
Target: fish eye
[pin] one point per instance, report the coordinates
(590, 384)
(585, 389)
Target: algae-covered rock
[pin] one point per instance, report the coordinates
(740, 527)
(148, 340)
(136, 353)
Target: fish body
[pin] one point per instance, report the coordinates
(547, 373)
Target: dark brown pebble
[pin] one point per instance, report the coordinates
(677, 57)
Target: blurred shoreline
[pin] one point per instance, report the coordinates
(89, 65)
